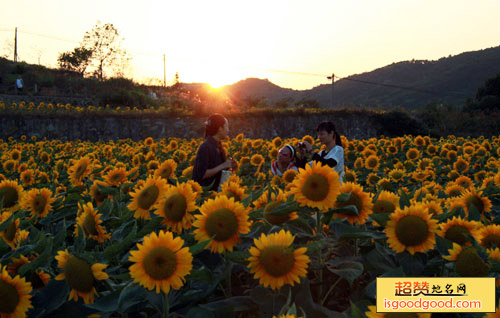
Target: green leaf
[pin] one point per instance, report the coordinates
(198, 312)
(107, 303)
(43, 258)
(381, 218)
(80, 240)
(237, 303)
(347, 270)
(118, 247)
(239, 257)
(356, 312)
(150, 227)
(443, 245)
(199, 247)
(131, 295)
(344, 197)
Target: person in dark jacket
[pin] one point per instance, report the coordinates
(211, 157)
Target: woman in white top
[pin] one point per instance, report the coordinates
(285, 161)
(333, 154)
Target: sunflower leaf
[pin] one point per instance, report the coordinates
(474, 214)
(80, 240)
(344, 197)
(198, 312)
(347, 270)
(118, 247)
(199, 247)
(381, 218)
(236, 303)
(350, 210)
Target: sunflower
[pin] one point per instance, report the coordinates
(80, 276)
(384, 184)
(79, 170)
(232, 190)
(277, 142)
(289, 175)
(420, 175)
(14, 294)
(359, 163)
(464, 182)
(372, 162)
(387, 202)
(316, 186)
(90, 222)
(176, 207)
(496, 178)
(286, 316)
(96, 194)
(473, 197)
(411, 229)
(166, 170)
(275, 263)
(38, 278)
(372, 179)
(461, 165)
(432, 206)
(358, 198)
(372, 313)
(457, 230)
(196, 187)
(116, 177)
(309, 139)
(10, 193)
(412, 154)
(269, 203)
(188, 172)
(43, 177)
(38, 202)
(468, 263)
(149, 141)
(256, 160)
(146, 195)
(454, 190)
(349, 175)
(396, 175)
(223, 219)
(161, 262)
(489, 235)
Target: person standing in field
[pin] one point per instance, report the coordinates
(19, 84)
(332, 155)
(211, 159)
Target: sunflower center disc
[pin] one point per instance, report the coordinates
(274, 219)
(289, 176)
(457, 234)
(470, 264)
(165, 172)
(9, 297)
(160, 263)
(316, 187)
(353, 200)
(10, 232)
(79, 275)
(148, 196)
(99, 197)
(39, 203)
(277, 260)
(223, 224)
(80, 170)
(230, 194)
(9, 196)
(401, 315)
(89, 225)
(476, 201)
(383, 206)
(490, 240)
(411, 230)
(175, 207)
(372, 163)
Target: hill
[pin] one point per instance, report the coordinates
(450, 80)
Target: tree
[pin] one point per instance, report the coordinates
(76, 61)
(99, 51)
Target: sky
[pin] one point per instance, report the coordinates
(294, 44)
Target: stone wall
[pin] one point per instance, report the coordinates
(94, 128)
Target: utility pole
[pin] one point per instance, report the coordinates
(164, 73)
(333, 79)
(15, 46)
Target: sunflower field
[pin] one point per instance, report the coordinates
(119, 229)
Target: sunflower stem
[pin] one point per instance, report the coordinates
(166, 305)
(229, 269)
(329, 291)
(319, 231)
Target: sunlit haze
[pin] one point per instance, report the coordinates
(294, 44)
